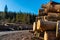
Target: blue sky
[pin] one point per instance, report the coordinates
(23, 5)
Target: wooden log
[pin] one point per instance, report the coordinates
(49, 35)
(38, 25)
(46, 25)
(58, 29)
(58, 36)
(34, 26)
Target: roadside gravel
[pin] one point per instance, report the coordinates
(16, 35)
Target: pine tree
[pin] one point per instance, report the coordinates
(6, 11)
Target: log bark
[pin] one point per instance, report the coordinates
(46, 25)
(49, 35)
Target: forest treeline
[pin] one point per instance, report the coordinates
(22, 17)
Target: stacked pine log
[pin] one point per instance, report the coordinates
(50, 29)
(49, 35)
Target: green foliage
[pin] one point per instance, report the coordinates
(5, 11)
(27, 18)
(22, 17)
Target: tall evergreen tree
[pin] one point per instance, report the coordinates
(6, 11)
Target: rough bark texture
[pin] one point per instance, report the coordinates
(49, 35)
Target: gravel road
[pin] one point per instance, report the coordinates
(16, 35)
(9, 32)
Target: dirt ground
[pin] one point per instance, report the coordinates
(20, 35)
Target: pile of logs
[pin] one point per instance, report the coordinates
(51, 29)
